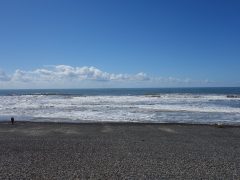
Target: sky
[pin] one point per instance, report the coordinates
(119, 43)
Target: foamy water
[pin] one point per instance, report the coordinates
(177, 108)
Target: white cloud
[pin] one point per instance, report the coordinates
(64, 72)
(3, 76)
(21, 76)
(63, 76)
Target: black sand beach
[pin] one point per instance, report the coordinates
(118, 151)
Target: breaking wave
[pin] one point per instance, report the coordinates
(173, 107)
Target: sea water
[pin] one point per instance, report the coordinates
(165, 105)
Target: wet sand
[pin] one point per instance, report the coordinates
(118, 151)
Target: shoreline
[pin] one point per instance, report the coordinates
(222, 125)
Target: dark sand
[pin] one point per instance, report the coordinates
(118, 151)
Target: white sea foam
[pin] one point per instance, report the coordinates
(161, 108)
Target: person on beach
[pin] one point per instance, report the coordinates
(12, 120)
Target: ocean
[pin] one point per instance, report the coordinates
(158, 105)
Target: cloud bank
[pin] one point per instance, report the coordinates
(64, 76)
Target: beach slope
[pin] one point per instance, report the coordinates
(118, 151)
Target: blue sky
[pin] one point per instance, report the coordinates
(166, 42)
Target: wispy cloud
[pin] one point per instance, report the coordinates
(3, 76)
(68, 76)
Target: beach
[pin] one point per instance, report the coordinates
(35, 150)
